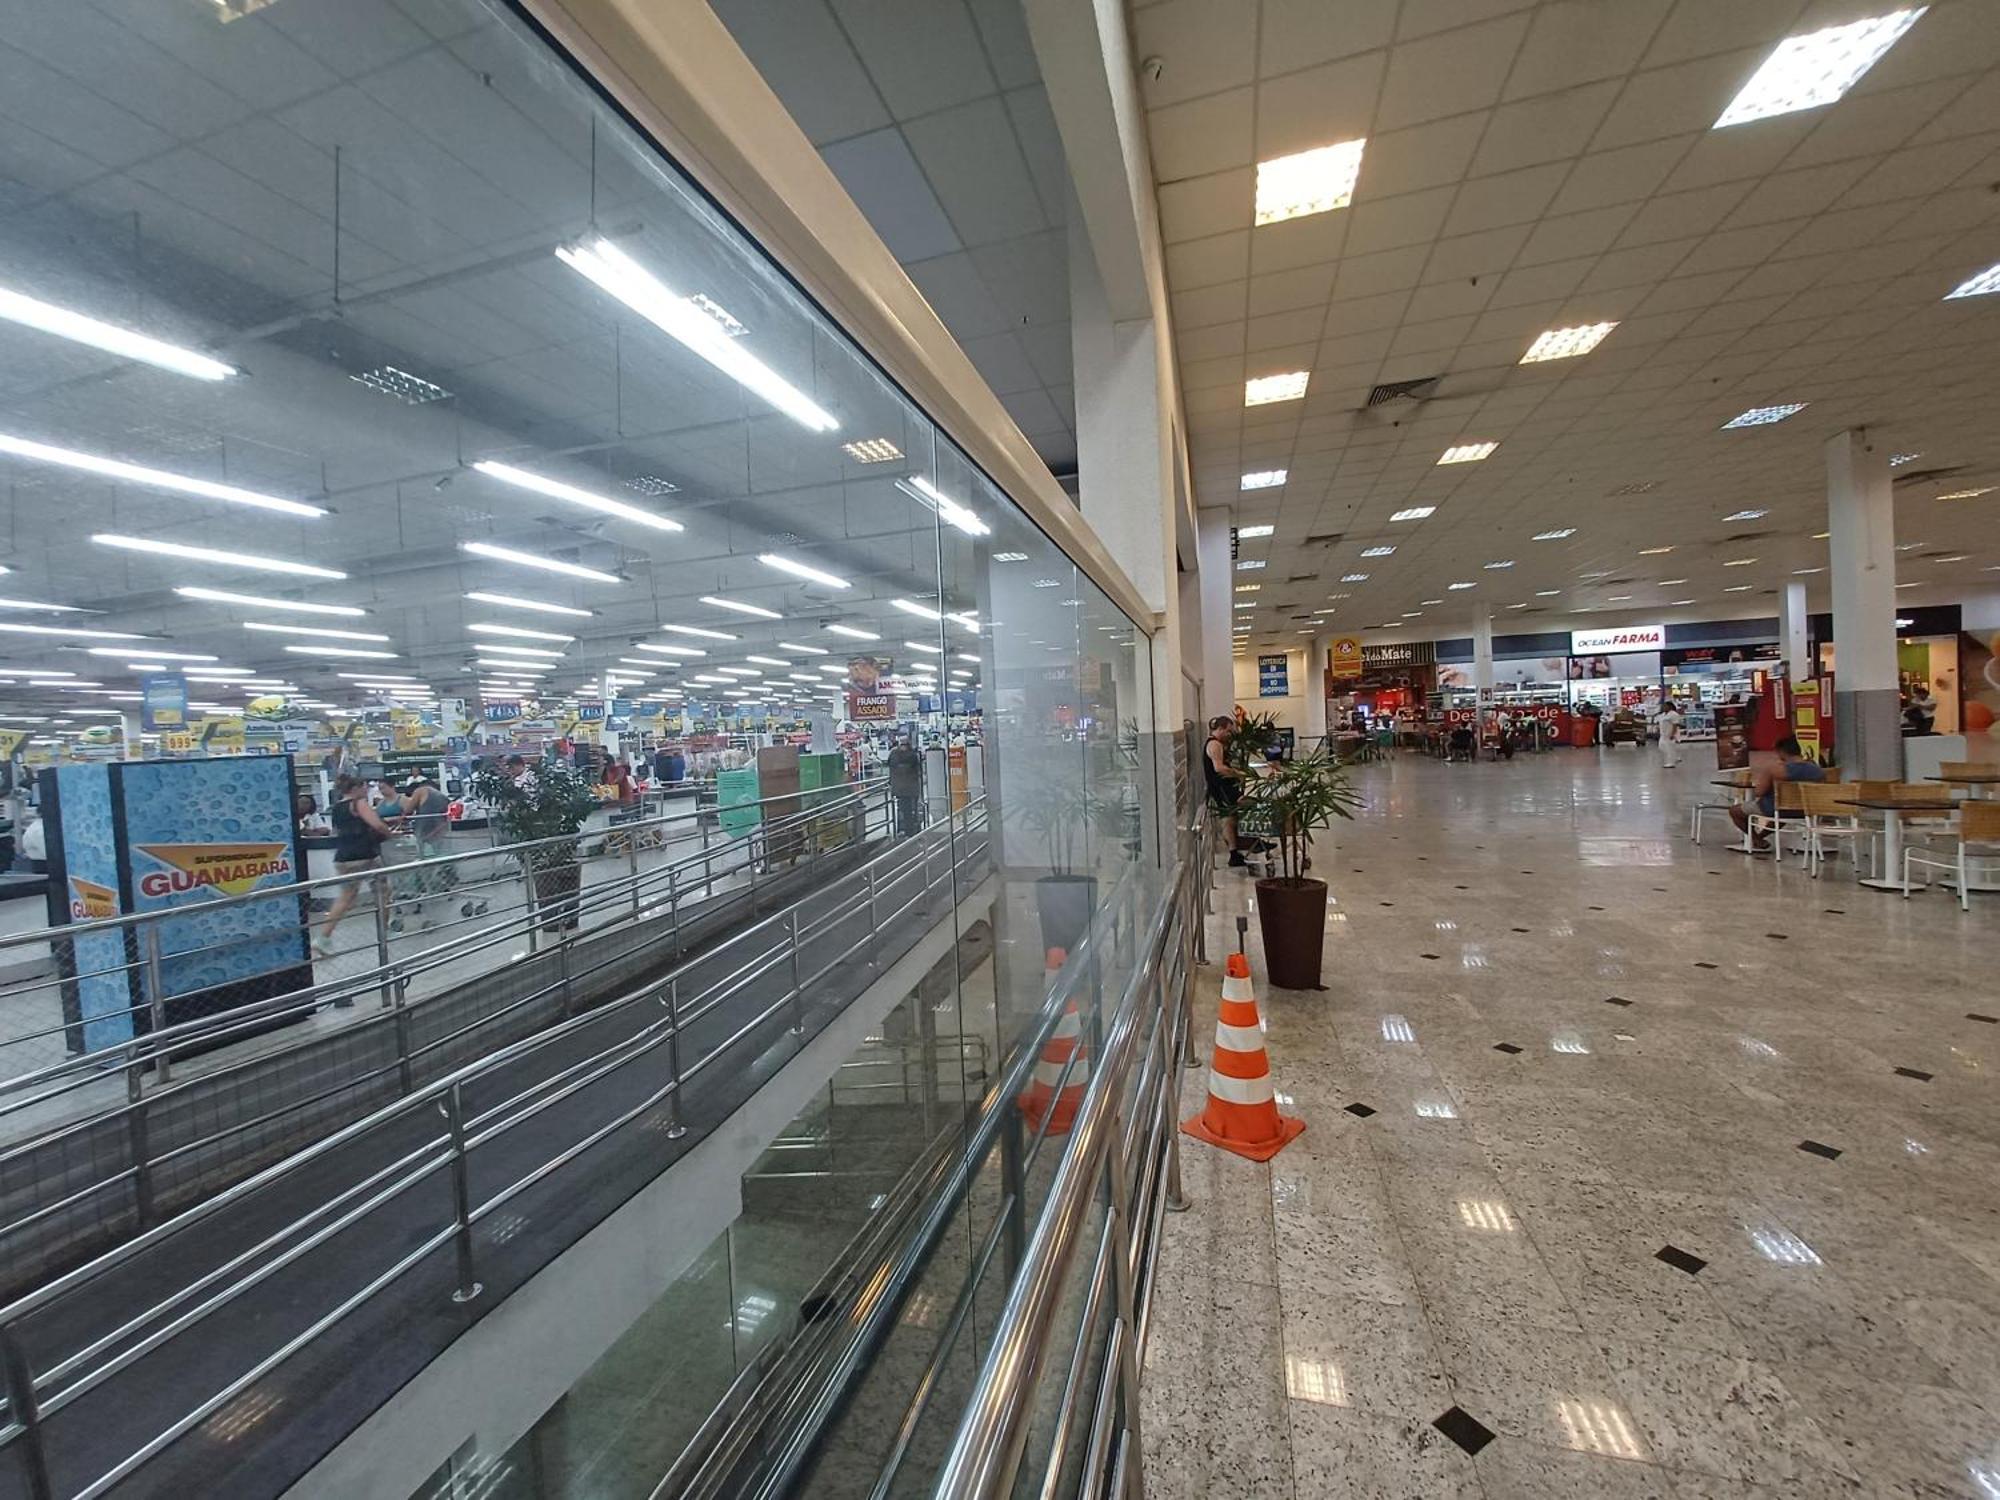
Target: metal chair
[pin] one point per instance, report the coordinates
(1977, 843)
(1832, 817)
(1787, 815)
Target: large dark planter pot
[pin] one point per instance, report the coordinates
(1292, 917)
(1065, 903)
(556, 891)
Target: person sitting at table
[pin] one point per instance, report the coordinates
(1795, 765)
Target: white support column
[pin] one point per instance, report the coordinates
(1218, 669)
(1795, 635)
(1482, 655)
(1315, 688)
(1861, 520)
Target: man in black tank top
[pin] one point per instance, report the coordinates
(1225, 782)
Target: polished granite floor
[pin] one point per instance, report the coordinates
(1632, 1169)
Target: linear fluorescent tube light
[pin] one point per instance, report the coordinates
(1263, 390)
(911, 607)
(1466, 453)
(555, 489)
(515, 601)
(612, 269)
(965, 621)
(947, 509)
(243, 672)
(768, 661)
(496, 648)
(668, 651)
(1554, 536)
(756, 610)
(1263, 479)
(1746, 515)
(35, 605)
(32, 312)
(321, 630)
(127, 651)
(927, 650)
(854, 633)
(802, 650)
(516, 630)
(700, 631)
(530, 560)
(1566, 343)
(802, 570)
(13, 627)
(342, 651)
(259, 601)
(1805, 72)
(214, 555)
(159, 479)
(739, 671)
(376, 676)
(513, 668)
(1308, 182)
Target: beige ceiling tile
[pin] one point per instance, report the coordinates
(1674, 216)
(1278, 362)
(1610, 303)
(1354, 348)
(1554, 127)
(1509, 198)
(1215, 399)
(1318, 106)
(1580, 41)
(1431, 337)
(1448, 73)
(1843, 229)
(1205, 374)
(1197, 263)
(1373, 275)
(1975, 109)
(1215, 423)
(1282, 291)
(1202, 135)
(1221, 303)
(1420, 157)
(1364, 314)
(1568, 236)
(1300, 33)
(1203, 47)
(1733, 318)
(1445, 299)
(1737, 153)
(1518, 323)
(1795, 194)
(1422, 17)
(1683, 292)
(1640, 266)
(1918, 171)
(1485, 256)
(1955, 212)
(1313, 240)
(1203, 206)
(1737, 248)
(1489, 354)
(1277, 331)
(1622, 176)
(1698, 28)
(1212, 342)
(1530, 284)
(1391, 222)
(1672, 100)
(1955, 37)
(1890, 258)
(1866, 124)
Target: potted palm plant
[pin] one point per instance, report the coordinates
(1300, 798)
(1060, 813)
(1255, 733)
(549, 802)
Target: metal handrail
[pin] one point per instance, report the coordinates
(33, 1397)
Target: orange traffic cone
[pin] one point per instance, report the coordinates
(1049, 1092)
(1242, 1114)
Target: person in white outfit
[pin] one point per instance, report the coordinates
(1670, 736)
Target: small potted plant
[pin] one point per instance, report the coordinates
(1061, 814)
(1255, 733)
(548, 801)
(1300, 798)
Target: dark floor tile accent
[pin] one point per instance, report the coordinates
(1464, 1429)
(1593, 908)
(1507, 1047)
(1385, 903)
(1426, 955)
(1820, 1148)
(1702, 963)
(1359, 1111)
(1659, 888)
(1917, 1073)
(1616, 1000)
(1523, 929)
(1973, 1015)
(1461, 887)
(1679, 1259)
(1836, 911)
(1780, 937)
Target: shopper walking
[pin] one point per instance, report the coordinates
(1669, 721)
(359, 834)
(1225, 782)
(906, 785)
(426, 813)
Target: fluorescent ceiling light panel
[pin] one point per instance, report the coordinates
(1263, 390)
(927, 650)
(1263, 479)
(1010, 557)
(665, 648)
(937, 501)
(700, 631)
(1249, 564)
(1554, 536)
(514, 601)
(921, 611)
(802, 570)
(632, 284)
(1973, 494)
(1382, 551)
(871, 451)
(802, 650)
(1566, 343)
(517, 631)
(1985, 284)
(496, 648)
(157, 655)
(1805, 72)
(1746, 515)
(1466, 453)
(158, 479)
(15, 628)
(1308, 182)
(319, 630)
(261, 601)
(530, 560)
(1547, 593)
(34, 605)
(741, 608)
(854, 633)
(1897, 460)
(767, 661)
(1739, 562)
(1461, 585)
(341, 651)
(1414, 513)
(32, 312)
(1251, 533)
(555, 489)
(1655, 551)
(1764, 416)
(1354, 578)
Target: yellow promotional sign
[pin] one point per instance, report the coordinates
(11, 741)
(180, 741)
(230, 868)
(88, 900)
(1344, 657)
(225, 734)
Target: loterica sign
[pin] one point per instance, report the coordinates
(1610, 642)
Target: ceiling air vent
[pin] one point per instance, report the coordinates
(1421, 389)
(1325, 538)
(1925, 476)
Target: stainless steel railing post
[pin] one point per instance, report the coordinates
(798, 987)
(156, 999)
(461, 1198)
(676, 1127)
(632, 868)
(382, 941)
(138, 1141)
(674, 909)
(1013, 1187)
(874, 924)
(529, 903)
(25, 1408)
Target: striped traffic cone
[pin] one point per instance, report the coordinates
(1049, 1092)
(1242, 1114)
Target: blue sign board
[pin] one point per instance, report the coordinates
(1274, 676)
(499, 713)
(163, 703)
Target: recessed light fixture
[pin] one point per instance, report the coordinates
(1910, 546)
(531, 560)
(1678, 602)
(1655, 551)
(700, 632)
(1249, 564)
(1667, 583)
(341, 651)
(1461, 586)
(517, 632)
(1504, 563)
(1010, 557)
(1554, 536)
(411, 390)
(1816, 68)
(1414, 513)
(741, 608)
(1263, 479)
(1430, 601)
(1806, 572)
(1617, 598)
(1897, 460)
(1248, 588)
(1547, 593)
(507, 601)
(802, 650)
(321, 630)
(32, 312)
(1906, 585)
(1739, 562)
(1746, 515)
(872, 451)
(1354, 578)
(213, 555)
(802, 570)
(1413, 614)
(1764, 416)
(555, 489)
(159, 655)
(617, 273)
(1466, 453)
(1383, 551)
(1263, 390)
(1737, 588)
(1251, 533)
(1517, 606)
(911, 607)
(1984, 284)
(1046, 583)
(663, 648)
(854, 632)
(766, 661)
(1308, 182)
(1566, 343)
(505, 648)
(1246, 603)
(1974, 494)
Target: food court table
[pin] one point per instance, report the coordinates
(1976, 783)
(1892, 810)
